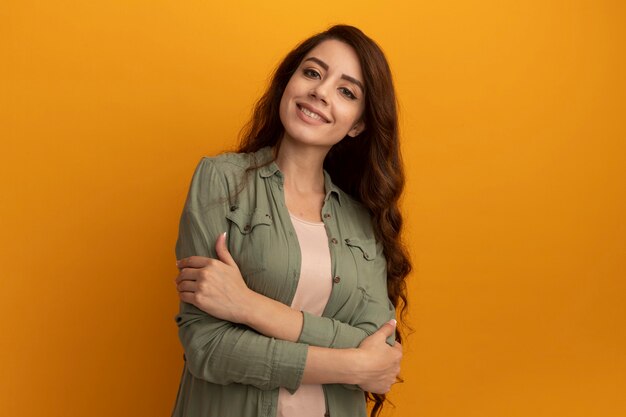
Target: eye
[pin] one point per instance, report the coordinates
(311, 73)
(346, 92)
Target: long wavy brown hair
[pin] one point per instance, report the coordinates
(369, 168)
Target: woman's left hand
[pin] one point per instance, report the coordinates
(215, 286)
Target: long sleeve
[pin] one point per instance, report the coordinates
(216, 350)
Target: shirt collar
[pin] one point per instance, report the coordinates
(266, 171)
(262, 156)
(331, 188)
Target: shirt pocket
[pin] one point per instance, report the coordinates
(248, 242)
(363, 253)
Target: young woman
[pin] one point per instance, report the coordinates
(289, 250)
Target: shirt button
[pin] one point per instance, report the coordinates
(327, 215)
(334, 241)
(246, 228)
(336, 280)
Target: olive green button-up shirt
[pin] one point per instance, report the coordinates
(232, 370)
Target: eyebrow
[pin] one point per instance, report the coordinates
(344, 76)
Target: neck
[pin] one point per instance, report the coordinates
(302, 166)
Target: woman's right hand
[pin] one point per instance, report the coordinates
(380, 362)
(215, 286)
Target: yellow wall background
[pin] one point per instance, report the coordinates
(514, 138)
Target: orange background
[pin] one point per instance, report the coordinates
(514, 138)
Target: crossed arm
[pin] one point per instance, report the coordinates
(233, 335)
(216, 287)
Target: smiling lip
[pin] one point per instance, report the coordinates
(312, 110)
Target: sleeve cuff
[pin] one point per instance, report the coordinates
(316, 331)
(288, 364)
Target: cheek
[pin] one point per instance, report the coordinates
(282, 107)
(352, 114)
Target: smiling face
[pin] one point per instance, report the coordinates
(324, 98)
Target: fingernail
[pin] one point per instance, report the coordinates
(177, 264)
(393, 322)
(224, 235)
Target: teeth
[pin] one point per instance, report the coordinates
(310, 113)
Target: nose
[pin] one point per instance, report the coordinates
(319, 92)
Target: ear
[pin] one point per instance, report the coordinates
(357, 129)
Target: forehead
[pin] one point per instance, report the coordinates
(339, 56)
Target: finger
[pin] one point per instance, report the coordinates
(187, 297)
(193, 262)
(187, 286)
(388, 328)
(187, 274)
(222, 250)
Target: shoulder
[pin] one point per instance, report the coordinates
(224, 176)
(228, 162)
(230, 166)
(216, 177)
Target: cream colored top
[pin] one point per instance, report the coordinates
(312, 293)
